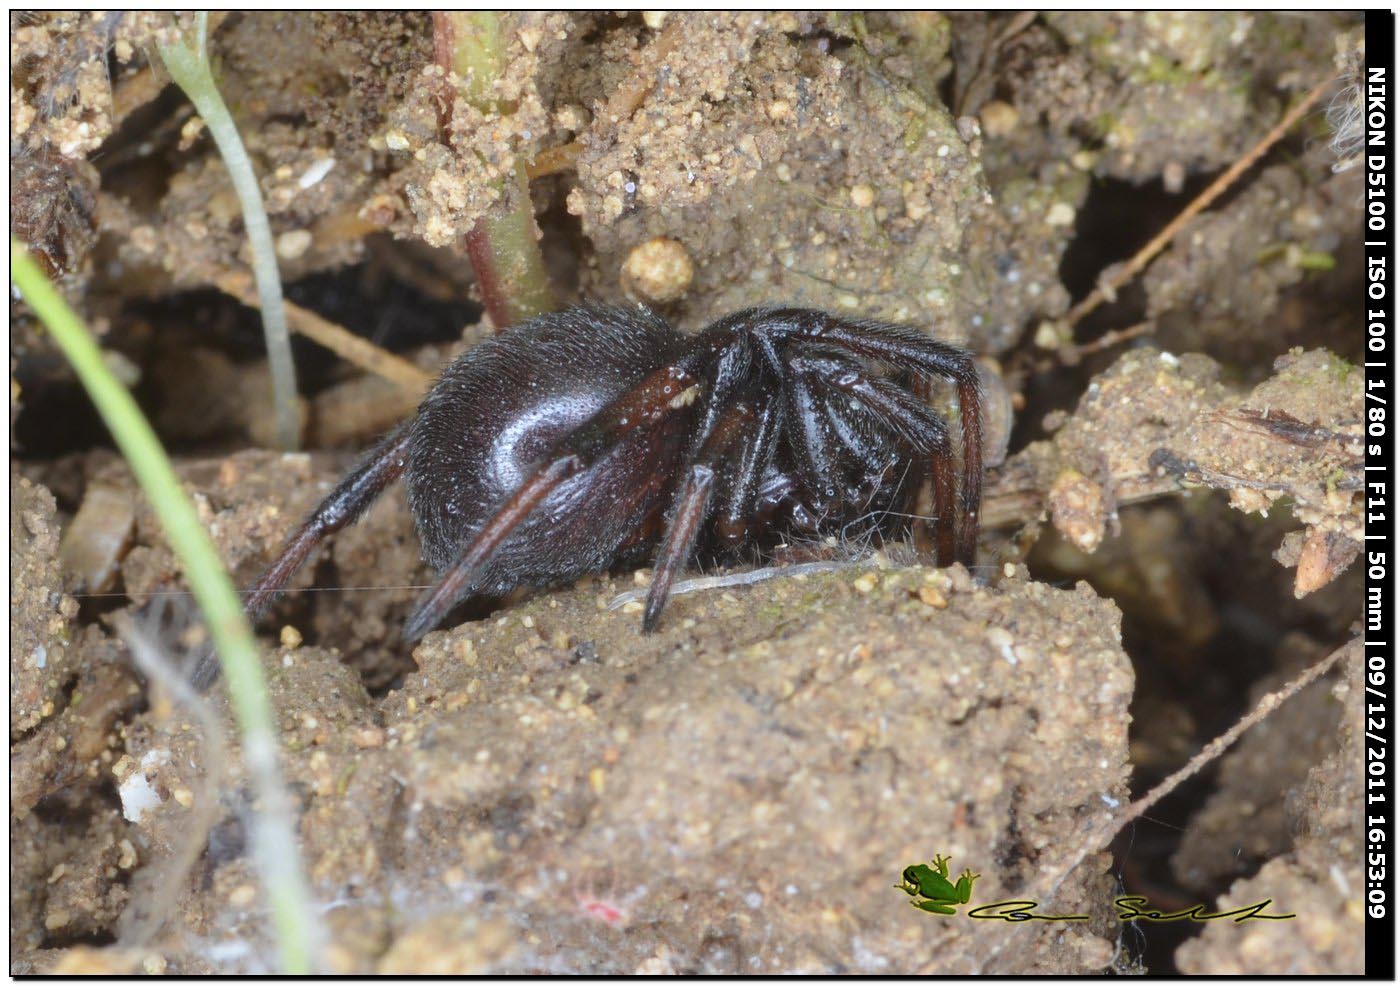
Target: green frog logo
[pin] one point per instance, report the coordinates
(934, 890)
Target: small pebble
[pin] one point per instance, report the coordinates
(1050, 334)
(190, 132)
(293, 243)
(1060, 214)
(933, 597)
(1173, 177)
(318, 170)
(659, 270)
(243, 895)
(999, 118)
(368, 737)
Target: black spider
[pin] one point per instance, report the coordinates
(585, 439)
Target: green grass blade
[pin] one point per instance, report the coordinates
(275, 843)
(187, 60)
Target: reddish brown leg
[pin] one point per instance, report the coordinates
(911, 421)
(350, 498)
(458, 580)
(945, 487)
(693, 502)
(692, 505)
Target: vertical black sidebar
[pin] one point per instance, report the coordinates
(1380, 526)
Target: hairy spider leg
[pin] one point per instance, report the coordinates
(693, 504)
(455, 584)
(813, 450)
(943, 478)
(910, 421)
(773, 330)
(660, 393)
(739, 496)
(862, 438)
(341, 507)
(944, 483)
(909, 349)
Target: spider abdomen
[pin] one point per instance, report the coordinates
(499, 410)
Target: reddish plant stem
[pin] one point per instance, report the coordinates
(503, 246)
(483, 259)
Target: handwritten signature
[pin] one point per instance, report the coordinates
(1129, 909)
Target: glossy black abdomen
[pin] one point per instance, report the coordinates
(495, 415)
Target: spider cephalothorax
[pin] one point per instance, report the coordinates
(589, 438)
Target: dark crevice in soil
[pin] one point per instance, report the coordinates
(95, 939)
(95, 606)
(1211, 682)
(363, 299)
(1117, 219)
(135, 161)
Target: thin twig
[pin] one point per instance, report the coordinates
(627, 97)
(1109, 285)
(1099, 834)
(986, 60)
(337, 339)
(1016, 492)
(1075, 352)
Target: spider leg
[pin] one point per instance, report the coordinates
(341, 507)
(738, 497)
(912, 422)
(812, 441)
(870, 448)
(693, 503)
(908, 348)
(507, 518)
(662, 392)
